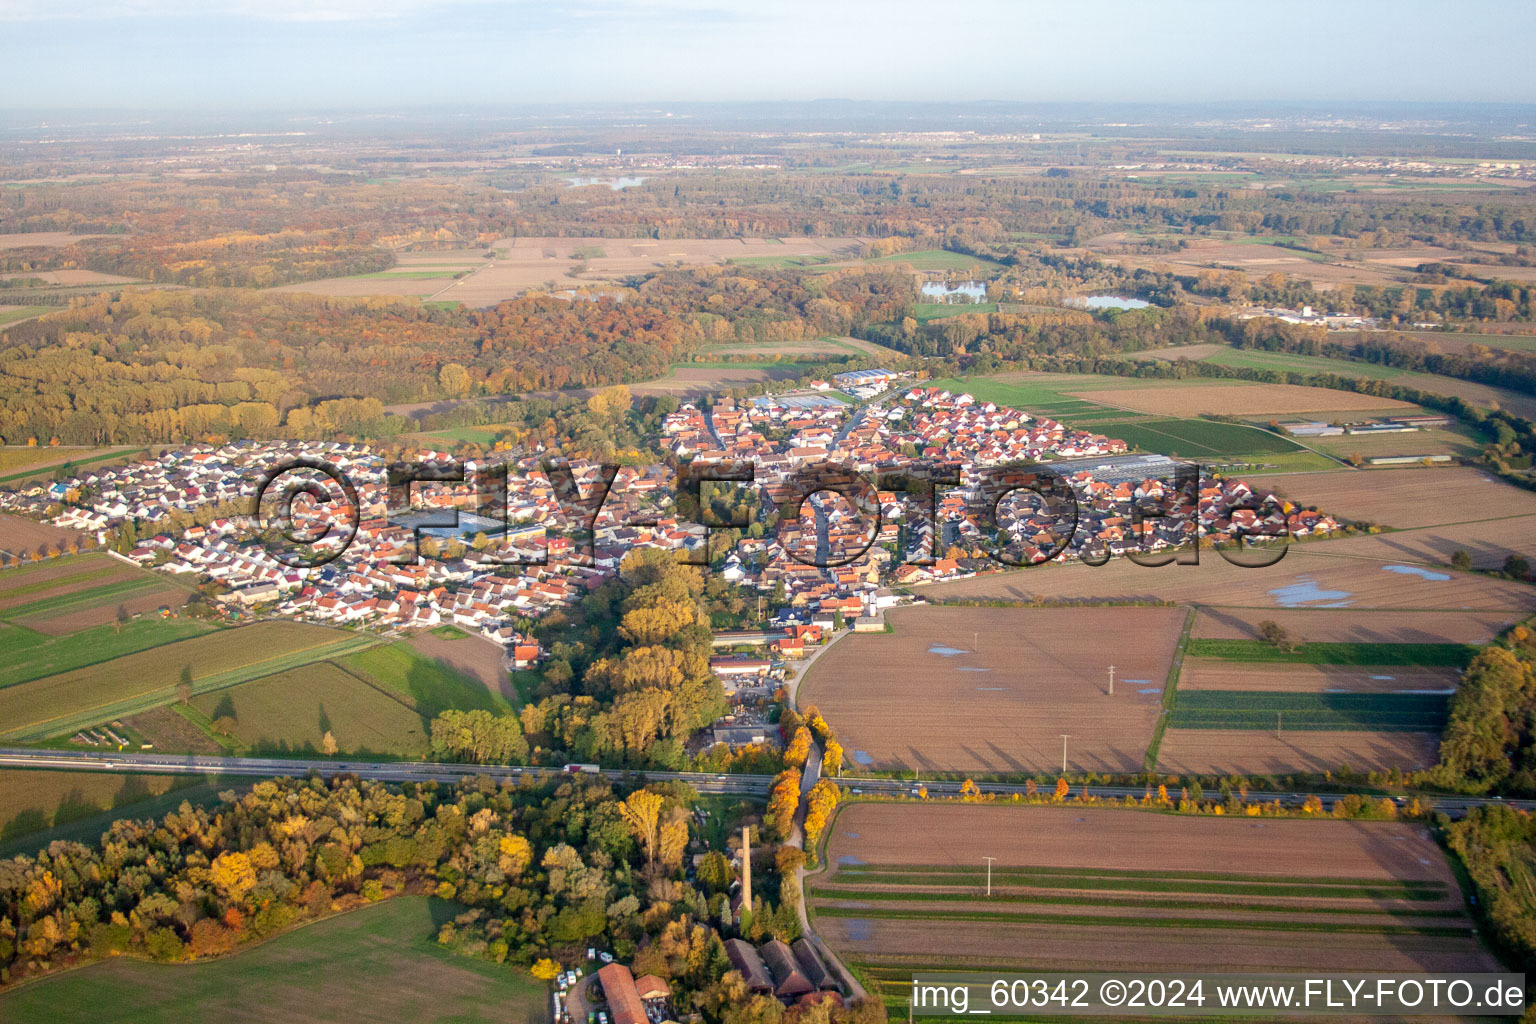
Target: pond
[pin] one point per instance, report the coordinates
(614, 183)
(964, 291)
(1110, 302)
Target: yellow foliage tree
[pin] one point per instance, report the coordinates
(820, 803)
(515, 854)
(232, 875)
(832, 759)
(642, 810)
(799, 748)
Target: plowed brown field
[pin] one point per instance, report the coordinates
(927, 698)
(1323, 574)
(1247, 752)
(1343, 625)
(1183, 893)
(1404, 498)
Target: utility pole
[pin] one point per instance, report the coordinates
(1064, 738)
(989, 861)
(1277, 724)
(976, 641)
(1111, 680)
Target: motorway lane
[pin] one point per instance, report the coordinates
(420, 771)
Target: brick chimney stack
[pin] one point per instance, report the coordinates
(746, 869)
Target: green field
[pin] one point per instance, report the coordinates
(928, 311)
(1196, 438)
(380, 963)
(425, 684)
(1042, 397)
(60, 704)
(937, 259)
(292, 711)
(782, 262)
(470, 435)
(104, 594)
(1359, 654)
(26, 654)
(1265, 710)
(10, 316)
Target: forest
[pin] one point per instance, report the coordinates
(198, 365)
(541, 871)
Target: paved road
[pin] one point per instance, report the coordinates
(386, 771)
(406, 771)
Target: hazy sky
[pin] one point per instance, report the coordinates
(387, 53)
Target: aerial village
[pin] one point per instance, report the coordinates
(493, 568)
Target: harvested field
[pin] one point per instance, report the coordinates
(292, 711)
(1236, 400)
(1321, 574)
(81, 277)
(1333, 625)
(701, 380)
(470, 656)
(523, 264)
(1404, 498)
(54, 578)
(1193, 353)
(25, 536)
(165, 728)
(1208, 674)
(27, 239)
(923, 698)
(102, 611)
(1254, 258)
(14, 457)
(1484, 395)
(1487, 543)
(1415, 445)
(1250, 752)
(1096, 889)
(61, 703)
(28, 654)
(34, 800)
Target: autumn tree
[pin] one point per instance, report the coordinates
(642, 812)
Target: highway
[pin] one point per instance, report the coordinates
(423, 771)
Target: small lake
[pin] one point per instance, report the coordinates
(964, 291)
(613, 183)
(1110, 302)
